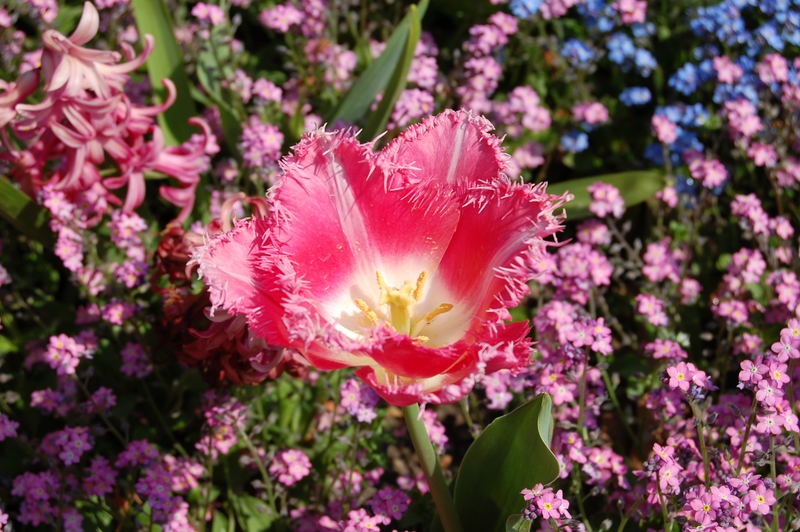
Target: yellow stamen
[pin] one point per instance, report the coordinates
(420, 285)
(401, 302)
(381, 282)
(441, 309)
(368, 312)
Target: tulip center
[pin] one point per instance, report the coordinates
(396, 307)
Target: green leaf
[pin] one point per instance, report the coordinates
(23, 213)
(166, 62)
(375, 79)
(511, 454)
(635, 187)
(376, 122)
(253, 513)
(517, 523)
(67, 18)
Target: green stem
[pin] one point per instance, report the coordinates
(577, 483)
(746, 436)
(430, 464)
(261, 469)
(773, 475)
(629, 513)
(582, 406)
(161, 421)
(612, 394)
(701, 437)
(664, 512)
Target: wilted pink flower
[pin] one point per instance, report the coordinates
(401, 263)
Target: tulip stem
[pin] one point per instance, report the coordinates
(430, 464)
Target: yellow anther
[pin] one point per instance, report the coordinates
(368, 312)
(422, 339)
(441, 309)
(381, 282)
(420, 285)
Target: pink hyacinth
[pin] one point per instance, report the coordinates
(401, 263)
(86, 120)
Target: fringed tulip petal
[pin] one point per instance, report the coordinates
(224, 262)
(454, 147)
(401, 264)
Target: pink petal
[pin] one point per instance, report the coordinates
(453, 147)
(224, 263)
(408, 357)
(341, 222)
(87, 26)
(501, 230)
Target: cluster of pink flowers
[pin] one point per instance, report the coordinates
(85, 116)
(727, 70)
(261, 145)
(606, 200)
(591, 113)
(481, 70)
(64, 353)
(545, 503)
(290, 466)
(666, 131)
(359, 400)
(225, 417)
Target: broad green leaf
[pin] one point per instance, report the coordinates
(376, 122)
(166, 61)
(23, 213)
(67, 18)
(511, 454)
(635, 187)
(375, 79)
(517, 523)
(253, 513)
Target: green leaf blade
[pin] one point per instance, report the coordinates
(511, 454)
(23, 213)
(635, 186)
(166, 62)
(375, 79)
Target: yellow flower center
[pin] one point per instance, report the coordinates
(396, 307)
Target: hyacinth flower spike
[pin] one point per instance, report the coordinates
(401, 263)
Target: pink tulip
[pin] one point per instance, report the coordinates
(401, 263)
